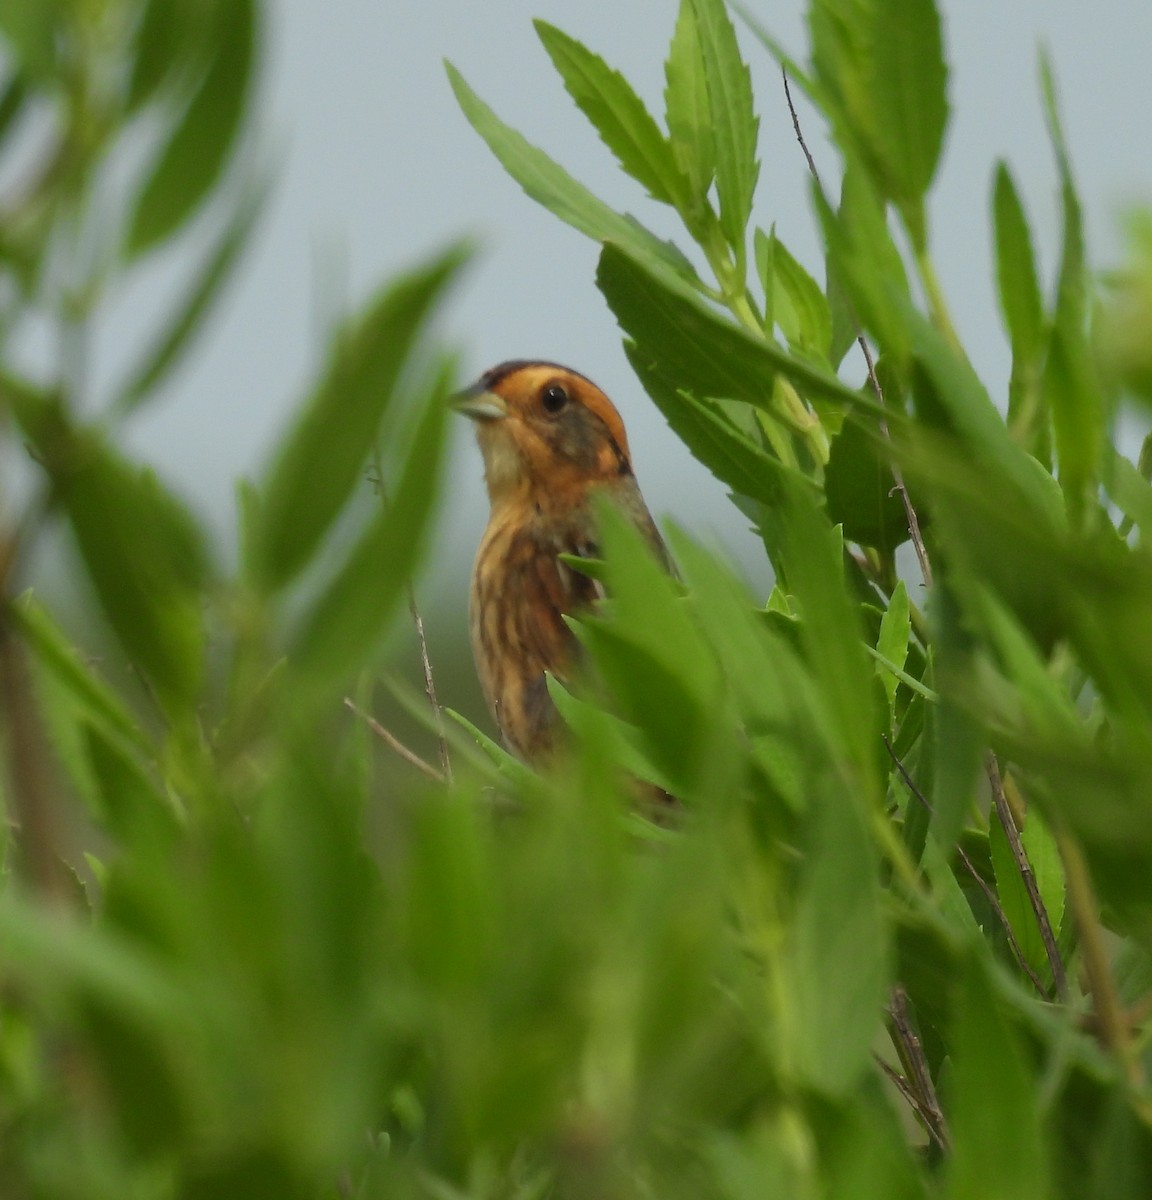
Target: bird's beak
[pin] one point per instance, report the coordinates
(480, 405)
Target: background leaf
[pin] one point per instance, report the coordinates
(204, 138)
(318, 464)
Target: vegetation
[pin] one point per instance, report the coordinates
(899, 943)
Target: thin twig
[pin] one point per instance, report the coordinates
(910, 516)
(418, 621)
(1114, 1029)
(981, 882)
(919, 1076)
(394, 743)
(430, 686)
(1008, 823)
(911, 1099)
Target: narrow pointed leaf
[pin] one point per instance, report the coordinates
(909, 80)
(546, 182)
(734, 120)
(343, 627)
(704, 350)
(625, 126)
(205, 136)
(187, 319)
(688, 109)
(321, 460)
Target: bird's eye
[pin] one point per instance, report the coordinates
(554, 397)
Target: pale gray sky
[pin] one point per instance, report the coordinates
(378, 168)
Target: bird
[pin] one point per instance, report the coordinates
(551, 440)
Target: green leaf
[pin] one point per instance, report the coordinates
(30, 28)
(625, 126)
(551, 186)
(861, 492)
(957, 399)
(203, 139)
(732, 456)
(892, 643)
(764, 250)
(143, 552)
(342, 628)
(1019, 288)
(1131, 493)
(776, 699)
(799, 306)
(186, 320)
(734, 121)
(320, 461)
(12, 100)
(57, 655)
(812, 557)
(133, 806)
(838, 934)
(909, 79)
(647, 646)
(994, 1122)
(706, 352)
(688, 110)
(863, 259)
(162, 37)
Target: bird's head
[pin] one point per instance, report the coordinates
(544, 430)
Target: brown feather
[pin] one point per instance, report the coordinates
(542, 466)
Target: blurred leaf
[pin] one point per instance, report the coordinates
(734, 121)
(909, 81)
(799, 306)
(993, 1113)
(508, 765)
(864, 261)
(625, 126)
(30, 28)
(895, 628)
(164, 33)
(184, 323)
(550, 185)
(204, 137)
(1019, 288)
(861, 492)
(1072, 392)
(764, 251)
(1125, 327)
(958, 401)
(1013, 896)
(957, 740)
(687, 107)
(812, 557)
(1131, 493)
(134, 808)
(257, 1173)
(138, 1077)
(319, 462)
(57, 655)
(143, 552)
(647, 647)
(838, 934)
(344, 625)
(777, 701)
(12, 101)
(706, 352)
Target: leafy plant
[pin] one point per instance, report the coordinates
(896, 942)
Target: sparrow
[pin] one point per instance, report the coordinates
(550, 440)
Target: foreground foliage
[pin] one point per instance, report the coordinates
(899, 943)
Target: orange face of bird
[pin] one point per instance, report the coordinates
(546, 429)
